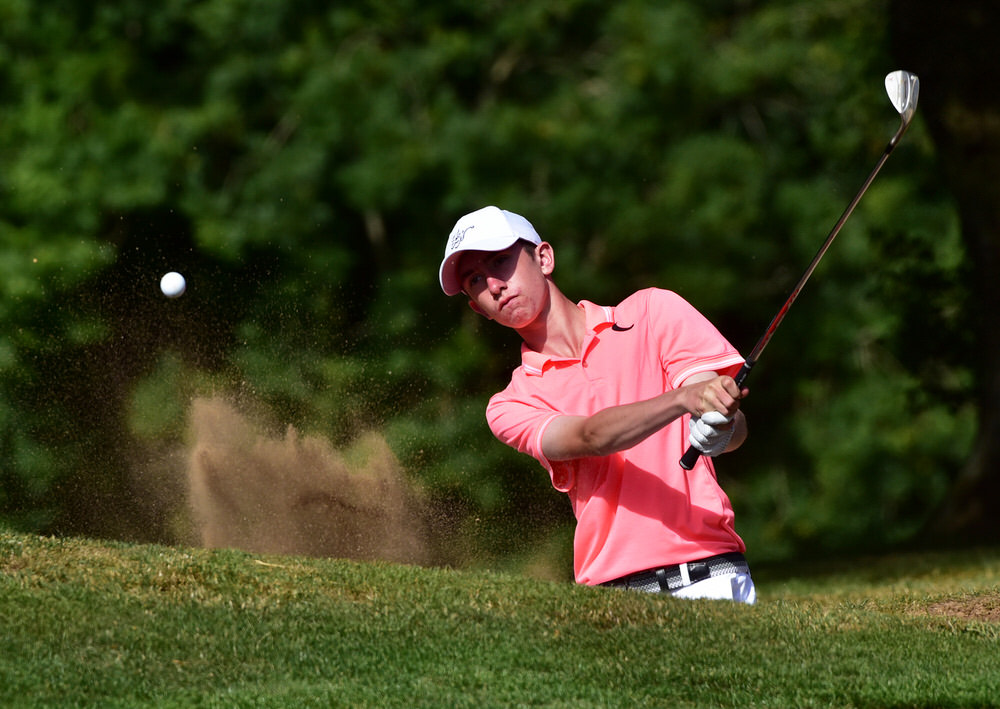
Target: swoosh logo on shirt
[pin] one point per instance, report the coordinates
(619, 328)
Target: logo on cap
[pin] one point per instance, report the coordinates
(459, 236)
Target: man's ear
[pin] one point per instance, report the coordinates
(546, 256)
(479, 311)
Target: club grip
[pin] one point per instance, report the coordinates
(692, 454)
(690, 457)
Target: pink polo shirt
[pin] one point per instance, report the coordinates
(636, 509)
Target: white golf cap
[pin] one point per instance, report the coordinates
(486, 229)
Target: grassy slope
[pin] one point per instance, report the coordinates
(87, 623)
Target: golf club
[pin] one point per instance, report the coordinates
(903, 88)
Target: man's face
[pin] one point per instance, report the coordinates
(508, 286)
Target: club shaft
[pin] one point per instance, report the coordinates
(776, 321)
(692, 454)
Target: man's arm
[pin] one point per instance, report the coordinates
(620, 427)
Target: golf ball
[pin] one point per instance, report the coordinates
(172, 284)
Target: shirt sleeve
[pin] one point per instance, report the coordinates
(688, 343)
(521, 424)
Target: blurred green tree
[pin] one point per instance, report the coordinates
(951, 48)
(303, 162)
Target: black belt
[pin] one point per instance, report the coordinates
(671, 578)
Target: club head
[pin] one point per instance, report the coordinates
(903, 89)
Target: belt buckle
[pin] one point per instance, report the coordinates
(698, 571)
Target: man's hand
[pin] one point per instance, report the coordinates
(711, 433)
(710, 392)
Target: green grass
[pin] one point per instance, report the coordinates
(96, 624)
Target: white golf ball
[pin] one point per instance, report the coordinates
(172, 284)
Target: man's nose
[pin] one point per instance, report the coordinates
(496, 285)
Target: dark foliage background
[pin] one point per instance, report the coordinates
(302, 163)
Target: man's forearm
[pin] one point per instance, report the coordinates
(620, 427)
(613, 429)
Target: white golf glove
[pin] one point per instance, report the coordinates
(706, 435)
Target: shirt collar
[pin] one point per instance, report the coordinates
(598, 318)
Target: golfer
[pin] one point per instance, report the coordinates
(607, 399)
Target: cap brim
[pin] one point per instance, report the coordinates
(447, 274)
